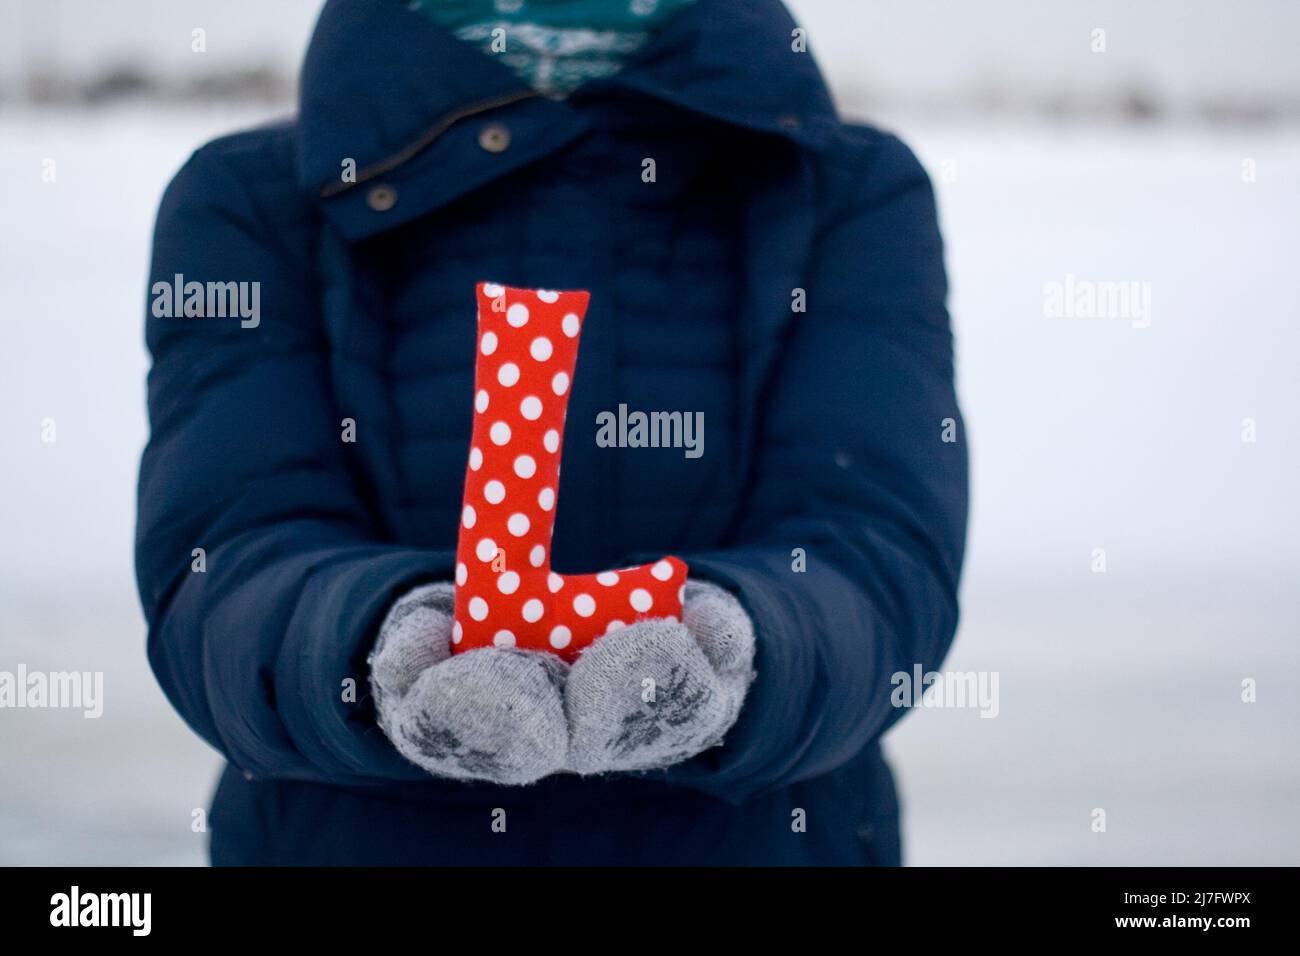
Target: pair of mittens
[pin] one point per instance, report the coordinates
(650, 695)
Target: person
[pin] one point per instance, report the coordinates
(753, 262)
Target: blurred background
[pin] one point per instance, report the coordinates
(1169, 156)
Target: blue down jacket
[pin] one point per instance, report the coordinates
(780, 272)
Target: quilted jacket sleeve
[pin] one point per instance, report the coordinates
(246, 462)
(862, 464)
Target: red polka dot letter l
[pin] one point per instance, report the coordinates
(506, 593)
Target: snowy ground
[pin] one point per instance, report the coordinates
(1119, 691)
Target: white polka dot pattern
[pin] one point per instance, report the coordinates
(506, 593)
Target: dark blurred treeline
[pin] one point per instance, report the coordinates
(262, 83)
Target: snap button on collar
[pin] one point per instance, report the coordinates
(381, 198)
(494, 137)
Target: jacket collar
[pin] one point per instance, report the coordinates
(382, 86)
(733, 60)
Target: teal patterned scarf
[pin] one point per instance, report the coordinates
(554, 45)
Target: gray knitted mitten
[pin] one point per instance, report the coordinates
(657, 692)
(488, 714)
